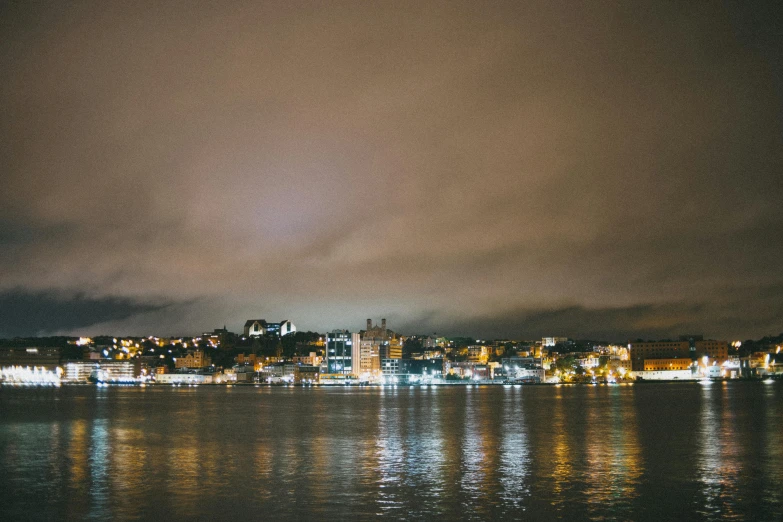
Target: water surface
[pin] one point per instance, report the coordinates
(680, 451)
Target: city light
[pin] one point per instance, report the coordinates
(27, 375)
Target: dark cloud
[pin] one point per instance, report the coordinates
(747, 309)
(328, 163)
(45, 313)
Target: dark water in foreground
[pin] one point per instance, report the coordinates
(645, 452)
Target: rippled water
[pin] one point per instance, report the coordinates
(645, 452)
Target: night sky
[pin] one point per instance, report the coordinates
(605, 170)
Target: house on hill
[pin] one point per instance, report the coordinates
(257, 327)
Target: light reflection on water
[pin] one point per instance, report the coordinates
(772, 454)
(612, 456)
(514, 465)
(718, 463)
(651, 452)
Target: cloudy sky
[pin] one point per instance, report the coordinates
(597, 169)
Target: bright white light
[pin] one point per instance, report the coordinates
(26, 375)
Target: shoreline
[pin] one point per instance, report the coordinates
(396, 385)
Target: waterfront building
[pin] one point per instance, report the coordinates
(273, 370)
(242, 373)
(369, 358)
(668, 364)
(103, 370)
(339, 352)
(665, 375)
(639, 351)
(306, 374)
(393, 348)
(390, 367)
(523, 368)
(184, 378)
(716, 350)
(431, 367)
(78, 371)
(468, 369)
(774, 364)
(48, 358)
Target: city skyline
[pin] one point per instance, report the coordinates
(514, 170)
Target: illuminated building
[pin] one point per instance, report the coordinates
(478, 353)
(666, 375)
(393, 348)
(390, 367)
(468, 370)
(242, 373)
(308, 360)
(184, 378)
(48, 358)
(369, 358)
(667, 364)
(195, 359)
(339, 352)
(715, 350)
(380, 340)
(524, 368)
(306, 374)
(247, 360)
(257, 327)
(639, 351)
(104, 370)
(431, 367)
(26, 375)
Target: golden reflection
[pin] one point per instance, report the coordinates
(472, 449)
(613, 452)
(390, 452)
(514, 465)
(773, 463)
(718, 462)
(77, 451)
(129, 455)
(78, 466)
(451, 422)
(424, 435)
(183, 462)
(262, 457)
(99, 470)
(321, 451)
(480, 455)
(489, 432)
(369, 447)
(216, 464)
(562, 467)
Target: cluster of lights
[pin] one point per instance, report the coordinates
(27, 375)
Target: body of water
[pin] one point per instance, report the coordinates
(676, 451)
